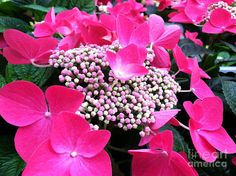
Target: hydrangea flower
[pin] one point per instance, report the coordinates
(72, 149)
(23, 104)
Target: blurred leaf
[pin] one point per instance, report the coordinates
(2, 81)
(13, 23)
(84, 5)
(10, 163)
(8, 8)
(43, 8)
(190, 48)
(29, 73)
(229, 90)
(25, 2)
(232, 47)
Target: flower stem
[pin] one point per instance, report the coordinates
(40, 66)
(117, 149)
(184, 126)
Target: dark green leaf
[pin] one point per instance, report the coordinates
(190, 48)
(10, 163)
(15, 23)
(84, 5)
(2, 81)
(28, 72)
(232, 47)
(42, 8)
(25, 2)
(229, 90)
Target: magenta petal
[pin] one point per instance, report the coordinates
(36, 133)
(148, 162)
(162, 117)
(204, 149)
(180, 58)
(216, 137)
(19, 107)
(21, 42)
(129, 55)
(92, 143)
(179, 166)
(223, 21)
(44, 30)
(163, 141)
(124, 29)
(66, 130)
(45, 162)
(14, 57)
(145, 140)
(212, 107)
(170, 37)
(50, 16)
(139, 37)
(156, 27)
(99, 165)
(162, 59)
(209, 28)
(61, 99)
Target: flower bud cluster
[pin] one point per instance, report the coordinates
(129, 104)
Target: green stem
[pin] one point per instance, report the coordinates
(117, 149)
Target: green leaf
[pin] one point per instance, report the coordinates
(43, 9)
(232, 47)
(15, 23)
(229, 90)
(84, 5)
(25, 2)
(28, 72)
(190, 48)
(2, 81)
(10, 163)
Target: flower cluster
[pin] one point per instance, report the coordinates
(129, 104)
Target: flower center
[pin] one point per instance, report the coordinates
(73, 154)
(47, 114)
(164, 153)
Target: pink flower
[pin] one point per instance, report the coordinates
(186, 64)
(164, 4)
(127, 62)
(160, 159)
(193, 36)
(72, 149)
(197, 85)
(217, 25)
(205, 122)
(162, 38)
(24, 49)
(130, 33)
(23, 104)
(161, 118)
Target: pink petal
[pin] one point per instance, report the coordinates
(163, 141)
(213, 113)
(36, 133)
(67, 129)
(22, 103)
(203, 74)
(61, 99)
(223, 21)
(170, 37)
(162, 117)
(179, 17)
(199, 87)
(162, 58)
(195, 12)
(129, 55)
(124, 29)
(215, 138)
(145, 140)
(108, 21)
(44, 30)
(139, 37)
(50, 16)
(180, 58)
(204, 149)
(46, 162)
(194, 111)
(92, 143)
(209, 28)
(111, 58)
(156, 27)
(99, 165)
(14, 57)
(21, 42)
(71, 41)
(179, 166)
(231, 28)
(148, 162)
